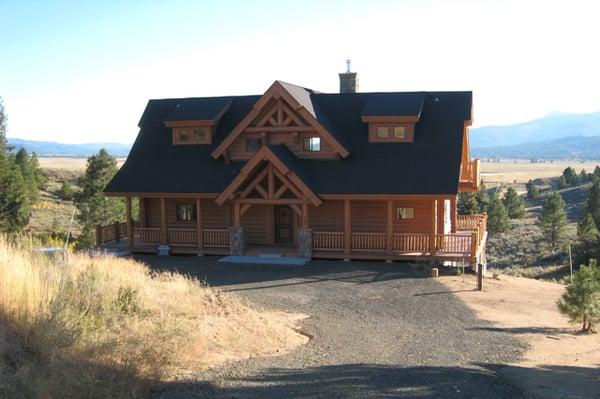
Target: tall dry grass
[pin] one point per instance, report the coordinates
(108, 327)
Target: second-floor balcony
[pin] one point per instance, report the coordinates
(469, 176)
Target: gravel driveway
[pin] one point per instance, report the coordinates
(379, 331)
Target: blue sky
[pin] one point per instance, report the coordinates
(83, 71)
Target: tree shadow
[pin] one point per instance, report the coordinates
(355, 381)
(218, 274)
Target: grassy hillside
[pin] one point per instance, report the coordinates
(108, 327)
(576, 147)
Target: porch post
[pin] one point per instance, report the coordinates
(305, 215)
(200, 232)
(237, 239)
(347, 230)
(163, 221)
(237, 215)
(129, 222)
(390, 227)
(433, 234)
(454, 213)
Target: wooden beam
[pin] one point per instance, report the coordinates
(454, 213)
(271, 181)
(237, 216)
(266, 201)
(199, 224)
(279, 113)
(296, 209)
(245, 209)
(304, 215)
(261, 191)
(347, 226)
(281, 191)
(390, 228)
(164, 238)
(259, 177)
(433, 233)
(129, 222)
(280, 129)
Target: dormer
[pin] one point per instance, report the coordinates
(391, 117)
(194, 121)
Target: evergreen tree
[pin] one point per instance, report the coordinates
(532, 190)
(562, 183)
(587, 246)
(593, 202)
(553, 219)
(15, 203)
(584, 176)
(514, 204)
(581, 300)
(570, 176)
(498, 220)
(24, 162)
(94, 207)
(66, 191)
(483, 198)
(467, 204)
(597, 171)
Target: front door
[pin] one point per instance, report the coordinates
(283, 224)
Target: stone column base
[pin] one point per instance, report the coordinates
(164, 250)
(305, 243)
(237, 241)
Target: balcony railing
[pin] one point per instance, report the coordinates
(470, 176)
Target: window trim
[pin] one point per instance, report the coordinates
(191, 132)
(257, 140)
(191, 209)
(399, 212)
(306, 144)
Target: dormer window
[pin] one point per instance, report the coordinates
(312, 144)
(191, 135)
(253, 144)
(391, 132)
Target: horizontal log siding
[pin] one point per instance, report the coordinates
(368, 216)
(214, 216)
(237, 151)
(329, 216)
(258, 224)
(421, 222)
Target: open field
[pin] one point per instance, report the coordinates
(67, 163)
(520, 171)
(559, 363)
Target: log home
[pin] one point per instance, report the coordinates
(347, 176)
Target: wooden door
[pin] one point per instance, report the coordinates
(283, 224)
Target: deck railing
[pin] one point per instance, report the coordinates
(110, 232)
(183, 237)
(146, 236)
(328, 240)
(216, 238)
(470, 173)
(453, 244)
(411, 242)
(368, 242)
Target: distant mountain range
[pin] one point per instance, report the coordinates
(555, 136)
(54, 149)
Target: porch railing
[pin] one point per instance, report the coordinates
(328, 240)
(368, 242)
(183, 237)
(470, 173)
(111, 232)
(216, 238)
(146, 236)
(411, 242)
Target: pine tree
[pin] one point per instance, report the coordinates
(514, 204)
(23, 160)
(94, 207)
(498, 220)
(15, 205)
(570, 176)
(587, 246)
(581, 300)
(483, 198)
(562, 183)
(597, 171)
(593, 202)
(553, 219)
(584, 176)
(467, 204)
(66, 191)
(532, 191)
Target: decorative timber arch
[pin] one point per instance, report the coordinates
(266, 179)
(282, 108)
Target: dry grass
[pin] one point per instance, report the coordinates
(108, 327)
(68, 163)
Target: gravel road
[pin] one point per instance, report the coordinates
(378, 331)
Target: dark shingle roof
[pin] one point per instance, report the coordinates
(400, 104)
(199, 108)
(429, 165)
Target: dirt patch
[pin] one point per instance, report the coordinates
(527, 308)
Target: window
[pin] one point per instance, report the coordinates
(185, 213)
(184, 135)
(312, 144)
(383, 131)
(405, 213)
(400, 132)
(253, 144)
(200, 135)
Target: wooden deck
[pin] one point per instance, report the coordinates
(467, 244)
